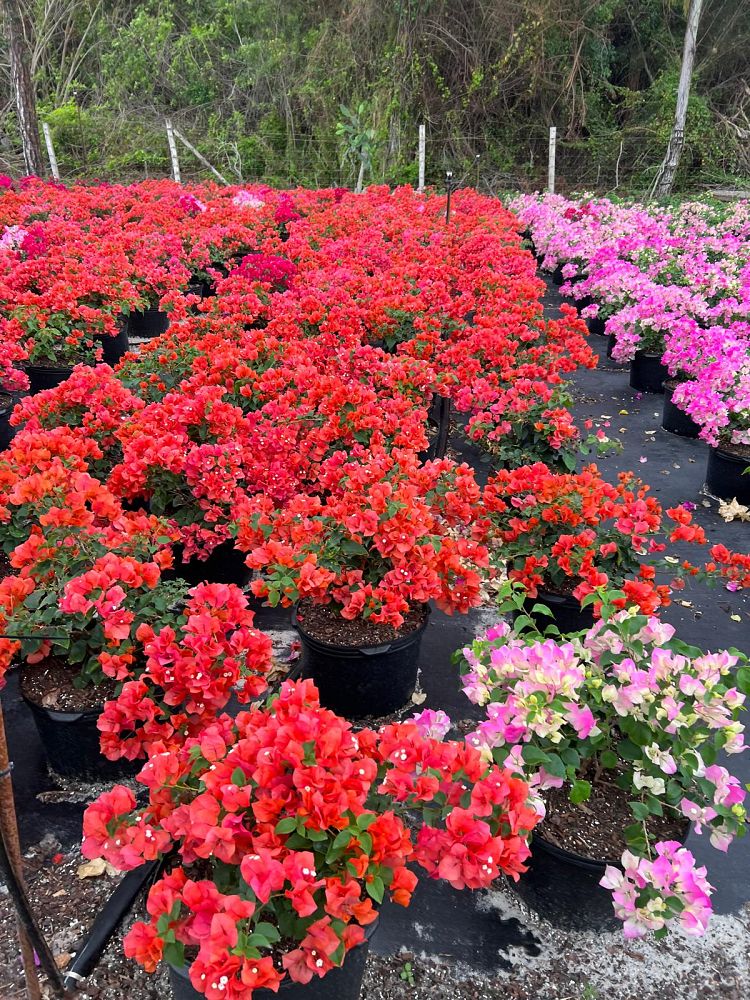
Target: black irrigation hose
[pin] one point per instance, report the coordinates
(107, 921)
(30, 925)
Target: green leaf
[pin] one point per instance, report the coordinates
(268, 931)
(555, 766)
(654, 805)
(635, 837)
(743, 680)
(640, 810)
(174, 954)
(238, 777)
(533, 755)
(571, 758)
(259, 941)
(541, 609)
(366, 841)
(342, 839)
(628, 750)
(286, 825)
(376, 889)
(580, 791)
(608, 759)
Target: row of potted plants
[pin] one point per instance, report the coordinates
(671, 288)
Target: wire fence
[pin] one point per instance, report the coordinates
(136, 148)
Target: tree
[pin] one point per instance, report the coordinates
(23, 89)
(360, 141)
(664, 180)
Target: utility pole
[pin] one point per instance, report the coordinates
(23, 88)
(664, 181)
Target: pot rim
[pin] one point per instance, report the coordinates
(372, 647)
(49, 368)
(721, 452)
(287, 983)
(60, 715)
(571, 857)
(650, 356)
(578, 860)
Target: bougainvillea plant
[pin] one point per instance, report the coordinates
(624, 703)
(388, 533)
(571, 533)
(285, 830)
(88, 592)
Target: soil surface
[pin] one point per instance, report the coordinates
(736, 450)
(49, 684)
(323, 622)
(593, 829)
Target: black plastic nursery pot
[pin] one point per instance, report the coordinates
(726, 477)
(225, 564)
(647, 373)
(611, 344)
(563, 887)
(584, 303)
(46, 377)
(567, 613)
(113, 348)
(675, 420)
(7, 433)
(439, 420)
(201, 287)
(596, 326)
(557, 275)
(70, 741)
(357, 682)
(341, 983)
(148, 323)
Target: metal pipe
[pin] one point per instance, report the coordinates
(107, 921)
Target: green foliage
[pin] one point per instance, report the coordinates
(259, 87)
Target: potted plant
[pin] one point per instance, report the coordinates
(361, 561)
(727, 474)
(283, 831)
(194, 455)
(114, 657)
(562, 535)
(648, 372)
(620, 728)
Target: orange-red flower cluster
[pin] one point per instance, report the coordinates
(290, 828)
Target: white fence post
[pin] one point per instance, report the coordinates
(173, 151)
(552, 155)
(422, 138)
(50, 151)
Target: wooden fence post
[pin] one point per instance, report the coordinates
(552, 156)
(200, 156)
(50, 151)
(173, 151)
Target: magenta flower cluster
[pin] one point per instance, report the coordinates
(673, 281)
